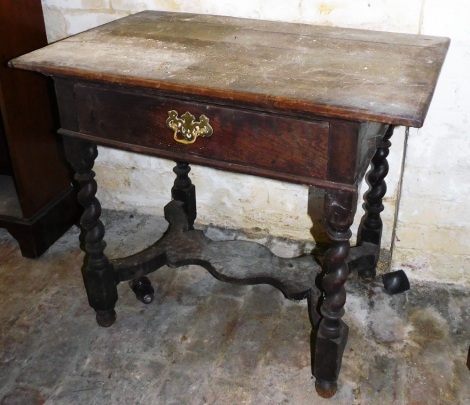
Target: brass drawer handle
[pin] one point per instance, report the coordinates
(186, 129)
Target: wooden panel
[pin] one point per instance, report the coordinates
(65, 94)
(351, 147)
(252, 139)
(5, 165)
(342, 160)
(26, 105)
(342, 73)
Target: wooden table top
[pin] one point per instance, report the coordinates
(334, 72)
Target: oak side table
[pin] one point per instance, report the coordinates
(293, 102)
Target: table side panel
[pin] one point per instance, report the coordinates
(65, 94)
(261, 141)
(351, 148)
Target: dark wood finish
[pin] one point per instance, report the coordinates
(183, 190)
(370, 230)
(238, 134)
(100, 281)
(37, 233)
(311, 105)
(364, 257)
(29, 147)
(5, 164)
(331, 335)
(238, 262)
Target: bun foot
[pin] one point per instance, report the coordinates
(395, 282)
(367, 275)
(106, 318)
(143, 289)
(326, 389)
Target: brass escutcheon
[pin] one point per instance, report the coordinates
(186, 130)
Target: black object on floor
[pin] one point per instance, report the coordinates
(395, 282)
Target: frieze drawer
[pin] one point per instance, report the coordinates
(288, 144)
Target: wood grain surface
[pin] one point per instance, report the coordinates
(334, 72)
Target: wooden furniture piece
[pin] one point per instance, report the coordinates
(304, 104)
(37, 200)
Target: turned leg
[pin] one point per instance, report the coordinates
(98, 273)
(370, 230)
(330, 338)
(183, 190)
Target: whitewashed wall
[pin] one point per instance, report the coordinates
(431, 234)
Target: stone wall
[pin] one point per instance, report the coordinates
(429, 239)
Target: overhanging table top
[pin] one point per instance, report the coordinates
(336, 72)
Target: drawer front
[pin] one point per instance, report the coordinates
(246, 141)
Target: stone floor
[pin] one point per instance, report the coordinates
(205, 342)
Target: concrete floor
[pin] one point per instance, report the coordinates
(205, 342)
